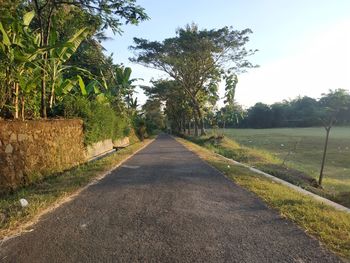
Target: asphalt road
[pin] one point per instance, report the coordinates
(164, 205)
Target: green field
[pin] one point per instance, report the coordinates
(302, 148)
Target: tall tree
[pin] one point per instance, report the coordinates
(153, 115)
(197, 59)
(259, 116)
(172, 96)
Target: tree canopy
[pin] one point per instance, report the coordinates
(198, 60)
(52, 64)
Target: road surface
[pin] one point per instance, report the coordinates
(164, 205)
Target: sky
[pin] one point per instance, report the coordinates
(304, 45)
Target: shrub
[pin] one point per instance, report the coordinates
(140, 127)
(101, 121)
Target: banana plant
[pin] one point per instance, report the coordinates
(58, 55)
(123, 85)
(92, 90)
(19, 48)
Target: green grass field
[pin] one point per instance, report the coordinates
(302, 148)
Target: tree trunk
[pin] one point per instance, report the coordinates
(43, 85)
(47, 33)
(195, 125)
(189, 127)
(52, 95)
(22, 108)
(16, 100)
(201, 122)
(198, 117)
(328, 129)
(43, 97)
(183, 124)
(202, 126)
(38, 11)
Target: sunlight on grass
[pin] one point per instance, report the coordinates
(291, 154)
(307, 154)
(330, 226)
(337, 184)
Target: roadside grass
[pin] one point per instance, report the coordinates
(306, 147)
(53, 190)
(271, 163)
(330, 226)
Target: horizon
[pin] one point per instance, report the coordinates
(298, 42)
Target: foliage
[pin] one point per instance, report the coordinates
(43, 51)
(101, 15)
(197, 60)
(177, 108)
(334, 104)
(140, 127)
(332, 107)
(19, 49)
(153, 115)
(101, 121)
(52, 57)
(108, 14)
(230, 114)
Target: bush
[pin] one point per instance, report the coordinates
(140, 128)
(101, 121)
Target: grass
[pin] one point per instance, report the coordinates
(274, 151)
(53, 190)
(330, 226)
(306, 147)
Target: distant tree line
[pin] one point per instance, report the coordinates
(299, 112)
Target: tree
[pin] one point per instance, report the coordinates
(197, 59)
(55, 65)
(230, 88)
(177, 107)
(19, 49)
(153, 115)
(230, 115)
(333, 104)
(105, 14)
(279, 113)
(259, 116)
(302, 112)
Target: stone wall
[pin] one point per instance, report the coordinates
(33, 149)
(102, 147)
(121, 143)
(99, 148)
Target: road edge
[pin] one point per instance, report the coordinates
(316, 197)
(24, 228)
(323, 243)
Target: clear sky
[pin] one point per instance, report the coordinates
(304, 45)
